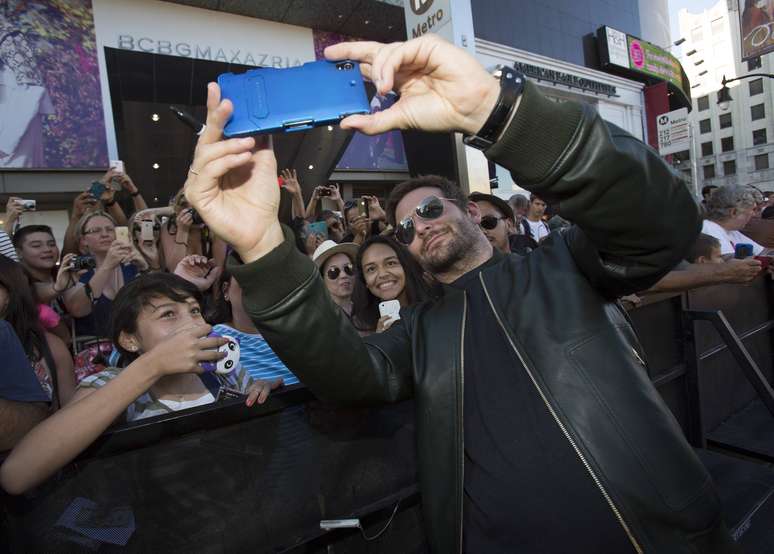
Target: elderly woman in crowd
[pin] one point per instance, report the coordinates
(728, 210)
(336, 263)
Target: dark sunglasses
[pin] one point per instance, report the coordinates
(429, 208)
(334, 272)
(489, 222)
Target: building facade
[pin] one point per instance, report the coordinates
(735, 145)
(148, 54)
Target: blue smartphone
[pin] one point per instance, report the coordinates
(270, 100)
(97, 189)
(743, 250)
(319, 228)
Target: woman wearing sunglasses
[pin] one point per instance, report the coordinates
(336, 267)
(385, 271)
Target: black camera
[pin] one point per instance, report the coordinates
(196, 218)
(325, 191)
(84, 262)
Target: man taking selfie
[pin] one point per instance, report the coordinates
(538, 429)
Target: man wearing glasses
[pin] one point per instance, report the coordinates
(533, 435)
(496, 220)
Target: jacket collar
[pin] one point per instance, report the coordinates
(464, 280)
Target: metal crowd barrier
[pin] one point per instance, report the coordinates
(227, 478)
(710, 354)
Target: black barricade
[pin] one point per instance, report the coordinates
(246, 480)
(227, 478)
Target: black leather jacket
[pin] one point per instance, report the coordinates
(634, 220)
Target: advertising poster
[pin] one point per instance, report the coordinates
(50, 101)
(757, 25)
(647, 58)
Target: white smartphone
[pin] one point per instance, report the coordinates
(390, 308)
(118, 165)
(122, 234)
(146, 230)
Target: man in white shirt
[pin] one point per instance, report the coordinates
(538, 228)
(729, 209)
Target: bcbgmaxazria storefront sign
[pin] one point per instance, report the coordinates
(204, 52)
(175, 30)
(165, 28)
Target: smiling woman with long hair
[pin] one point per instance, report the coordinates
(385, 271)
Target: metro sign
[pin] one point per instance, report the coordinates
(420, 6)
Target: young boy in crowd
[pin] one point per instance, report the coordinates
(706, 250)
(158, 327)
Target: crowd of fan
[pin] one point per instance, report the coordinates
(75, 316)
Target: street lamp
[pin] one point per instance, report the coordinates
(724, 94)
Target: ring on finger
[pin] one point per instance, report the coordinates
(191, 169)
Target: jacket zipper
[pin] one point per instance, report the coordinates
(639, 358)
(562, 427)
(460, 424)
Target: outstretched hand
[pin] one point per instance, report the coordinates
(233, 184)
(441, 87)
(260, 389)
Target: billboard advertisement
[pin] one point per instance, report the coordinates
(757, 25)
(641, 60)
(50, 101)
(654, 61)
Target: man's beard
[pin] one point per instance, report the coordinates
(463, 235)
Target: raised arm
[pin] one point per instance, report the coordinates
(292, 185)
(636, 214)
(738, 272)
(138, 202)
(233, 186)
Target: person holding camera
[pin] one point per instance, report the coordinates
(110, 264)
(13, 210)
(185, 234)
(522, 428)
(331, 191)
(365, 218)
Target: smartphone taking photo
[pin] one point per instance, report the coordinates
(122, 234)
(362, 207)
(390, 308)
(270, 100)
(319, 228)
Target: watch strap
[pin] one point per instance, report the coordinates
(511, 87)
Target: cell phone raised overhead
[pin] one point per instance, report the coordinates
(269, 100)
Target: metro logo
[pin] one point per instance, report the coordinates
(427, 26)
(420, 6)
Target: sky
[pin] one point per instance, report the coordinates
(694, 6)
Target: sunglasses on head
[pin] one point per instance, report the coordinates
(489, 222)
(428, 209)
(334, 272)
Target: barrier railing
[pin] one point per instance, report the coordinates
(228, 478)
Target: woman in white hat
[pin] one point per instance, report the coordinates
(336, 267)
